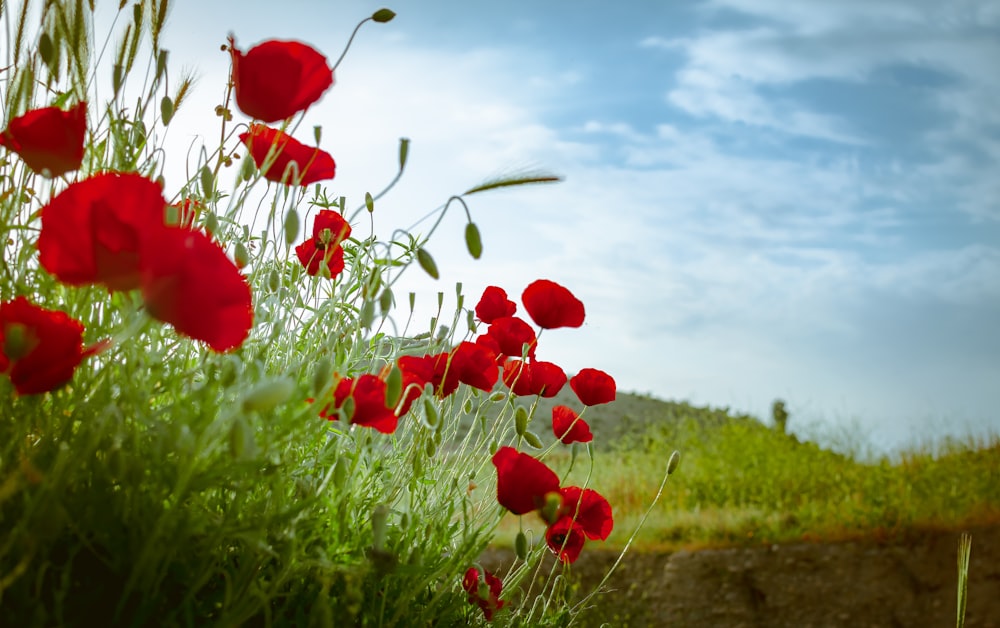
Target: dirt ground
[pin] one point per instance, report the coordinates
(906, 581)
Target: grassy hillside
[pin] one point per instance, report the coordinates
(741, 481)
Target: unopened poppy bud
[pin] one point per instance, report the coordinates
(273, 280)
(161, 63)
(473, 241)
(211, 223)
(241, 443)
(45, 48)
(467, 406)
(380, 517)
(521, 420)
(494, 447)
(521, 545)
(291, 226)
(675, 459)
(404, 151)
(550, 511)
(369, 202)
(347, 410)
(383, 15)
(418, 465)
(532, 439)
(230, 369)
(470, 321)
(269, 394)
(430, 447)
(207, 181)
(367, 314)
(322, 374)
(17, 341)
(248, 169)
(430, 412)
(317, 133)
(340, 471)
(166, 110)
(385, 301)
(241, 255)
(393, 387)
(427, 263)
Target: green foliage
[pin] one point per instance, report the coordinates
(741, 482)
(170, 485)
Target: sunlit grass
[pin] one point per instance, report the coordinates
(741, 482)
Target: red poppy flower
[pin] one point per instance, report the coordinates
(189, 282)
(417, 373)
(275, 80)
(590, 510)
(533, 378)
(517, 376)
(522, 481)
(311, 164)
(485, 592)
(551, 305)
(474, 366)
(92, 231)
(39, 348)
(566, 539)
(329, 230)
(368, 395)
(494, 304)
(511, 334)
(593, 387)
(568, 427)
(547, 379)
(49, 140)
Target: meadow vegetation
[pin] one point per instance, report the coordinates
(742, 481)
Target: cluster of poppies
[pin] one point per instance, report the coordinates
(117, 230)
(113, 228)
(378, 401)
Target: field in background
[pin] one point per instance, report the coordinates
(741, 481)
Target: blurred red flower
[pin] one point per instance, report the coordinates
(568, 427)
(494, 304)
(310, 164)
(590, 509)
(49, 140)
(511, 334)
(39, 348)
(522, 481)
(565, 539)
(533, 378)
(92, 231)
(417, 372)
(368, 395)
(329, 230)
(275, 80)
(474, 366)
(551, 305)
(485, 592)
(593, 387)
(189, 282)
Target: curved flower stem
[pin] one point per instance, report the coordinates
(349, 42)
(671, 467)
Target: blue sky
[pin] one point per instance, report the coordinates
(761, 199)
